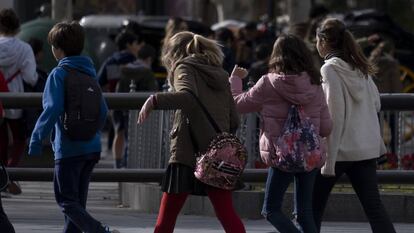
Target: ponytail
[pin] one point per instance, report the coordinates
(207, 48)
(353, 54)
(185, 44)
(334, 32)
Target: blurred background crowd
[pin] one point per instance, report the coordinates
(246, 29)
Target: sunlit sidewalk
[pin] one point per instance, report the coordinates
(35, 211)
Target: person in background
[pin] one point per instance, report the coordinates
(74, 159)
(31, 114)
(292, 80)
(108, 76)
(387, 80)
(174, 26)
(37, 47)
(138, 74)
(194, 63)
(17, 64)
(355, 142)
(110, 72)
(261, 66)
(225, 38)
(246, 44)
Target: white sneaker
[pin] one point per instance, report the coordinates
(110, 231)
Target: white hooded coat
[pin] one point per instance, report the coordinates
(17, 55)
(353, 102)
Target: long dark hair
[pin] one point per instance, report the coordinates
(335, 34)
(291, 55)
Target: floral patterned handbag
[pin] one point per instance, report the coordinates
(299, 148)
(223, 162)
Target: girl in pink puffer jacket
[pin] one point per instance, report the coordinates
(293, 79)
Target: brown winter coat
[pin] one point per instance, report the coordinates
(210, 84)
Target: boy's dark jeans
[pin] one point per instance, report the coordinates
(363, 177)
(5, 225)
(71, 184)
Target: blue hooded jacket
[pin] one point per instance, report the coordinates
(53, 109)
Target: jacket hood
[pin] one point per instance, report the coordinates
(11, 50)
(296, 89)
(352, 78)
(215, 77)
(80, 63)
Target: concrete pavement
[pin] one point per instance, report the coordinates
(35, 211)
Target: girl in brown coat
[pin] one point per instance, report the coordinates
(193, 63)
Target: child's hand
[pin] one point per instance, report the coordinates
(146, 109)
(239, 72)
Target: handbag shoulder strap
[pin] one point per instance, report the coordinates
(209, 117)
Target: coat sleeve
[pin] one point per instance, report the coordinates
(336, 104)
(326, 120)
(53, 107)
(250, 101)
(374, 93)
(180, 99)
(28, 68)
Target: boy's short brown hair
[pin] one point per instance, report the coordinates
(9, 22)
(67, 36)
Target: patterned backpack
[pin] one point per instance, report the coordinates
(222, 164)
(299, 148)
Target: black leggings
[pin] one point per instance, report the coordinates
(5, 225)
(363, 177)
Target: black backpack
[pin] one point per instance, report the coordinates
(83, 96)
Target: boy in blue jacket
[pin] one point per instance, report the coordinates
(74, 160)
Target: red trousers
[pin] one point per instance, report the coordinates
(171, 205)
(17, 128)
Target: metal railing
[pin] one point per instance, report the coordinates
(133, 101)
(397, 102)
(155, 175)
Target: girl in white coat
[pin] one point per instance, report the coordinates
(355, 141)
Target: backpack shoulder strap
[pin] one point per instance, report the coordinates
(73, 70)
(11, 78)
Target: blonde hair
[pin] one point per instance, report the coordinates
(185, 44)
(174, 26)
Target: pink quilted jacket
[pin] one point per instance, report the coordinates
(272, 96)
